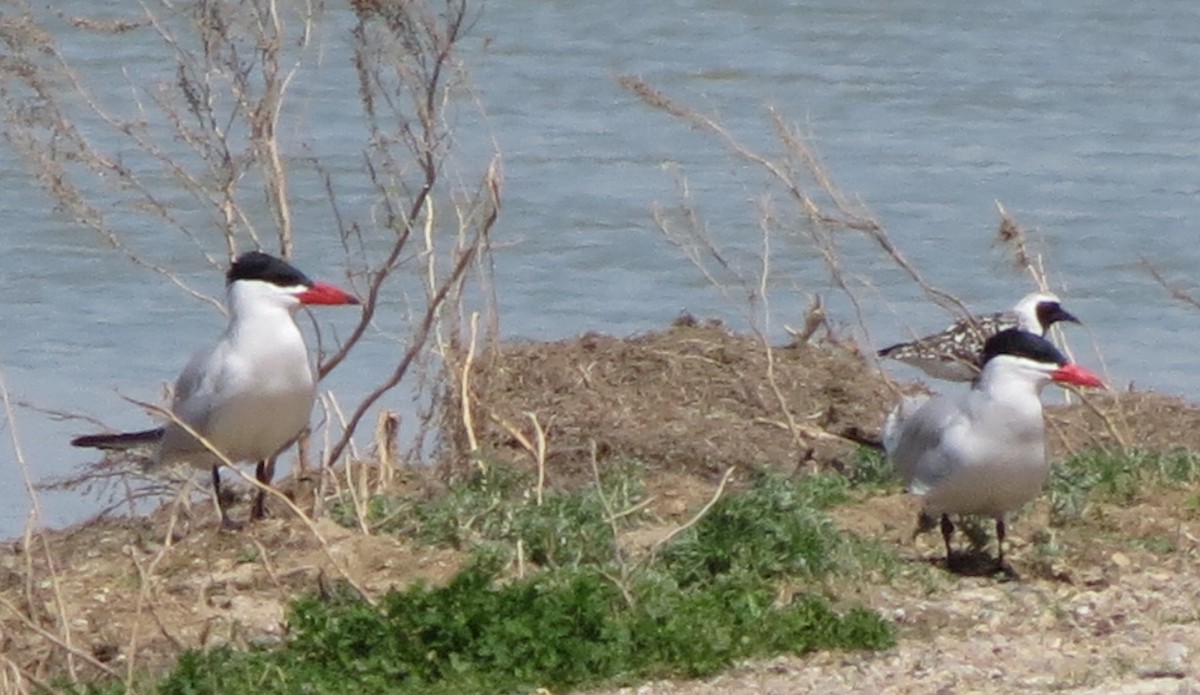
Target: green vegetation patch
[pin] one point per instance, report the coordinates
(499, 508)
(706, 600)
(1114, 477)
(771, 530)
(872, 471)
(557, 629)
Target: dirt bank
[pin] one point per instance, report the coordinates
(1104, 604)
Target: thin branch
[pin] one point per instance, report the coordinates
(658, 545)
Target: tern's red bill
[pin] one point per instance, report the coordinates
(321, 293)
(1075, 374)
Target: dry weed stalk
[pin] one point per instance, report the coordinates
(360, 498)
(121, 480)
(63, 640)
(806, 182)
(414, 350)
(298, 513)
(464, 393)
(145, 602)
(720, 490)
(827, 215)
(521, 558)
(358, 484)
(1011, 235)
(1118, 433)
(14, 679)
(1176, 291)
(407, 71)
(536, 449)
(611, 516)
(387, 430)
(763, 333)
(208, 129)
(209, 126)
(824, 213)
(63, 643)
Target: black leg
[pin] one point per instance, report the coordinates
(947, 532)
(263, 473)
(226, 523)
(1000, 532)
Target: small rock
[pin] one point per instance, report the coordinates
(1173, 654)
(1121, 560)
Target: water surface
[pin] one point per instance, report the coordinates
(1078, 116)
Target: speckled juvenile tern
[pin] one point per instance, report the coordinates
(953, 354)
(250, 394)
(982, 452)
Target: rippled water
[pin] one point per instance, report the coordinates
(1078, 116)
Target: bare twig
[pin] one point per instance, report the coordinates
(65, 645)
(698, 516)
(826, 209)
(622, 582)
(253, 482)
(468, 418)
(36, 518)
(1177, 293)
(539, 455)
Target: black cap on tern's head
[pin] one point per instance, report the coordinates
(285, 279)
(1018, 343)
(1028, 348)
(256, 265)
(1051, 312)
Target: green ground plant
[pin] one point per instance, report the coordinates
(1112, 477)
(710, 597)
(499, 507)
(773, 529)
(556, 630)
(872, 471)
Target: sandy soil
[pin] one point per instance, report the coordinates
(1106, 604)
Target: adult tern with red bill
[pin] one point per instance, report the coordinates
(982, 452)
(250, 394)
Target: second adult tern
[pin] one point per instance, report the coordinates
(982, 452)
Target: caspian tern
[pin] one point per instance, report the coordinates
(982, 452)
(249, 395)
(953, 354)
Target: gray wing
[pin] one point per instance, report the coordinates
(893, 426)
(195, 390)
(187, 384)
(919, 450)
